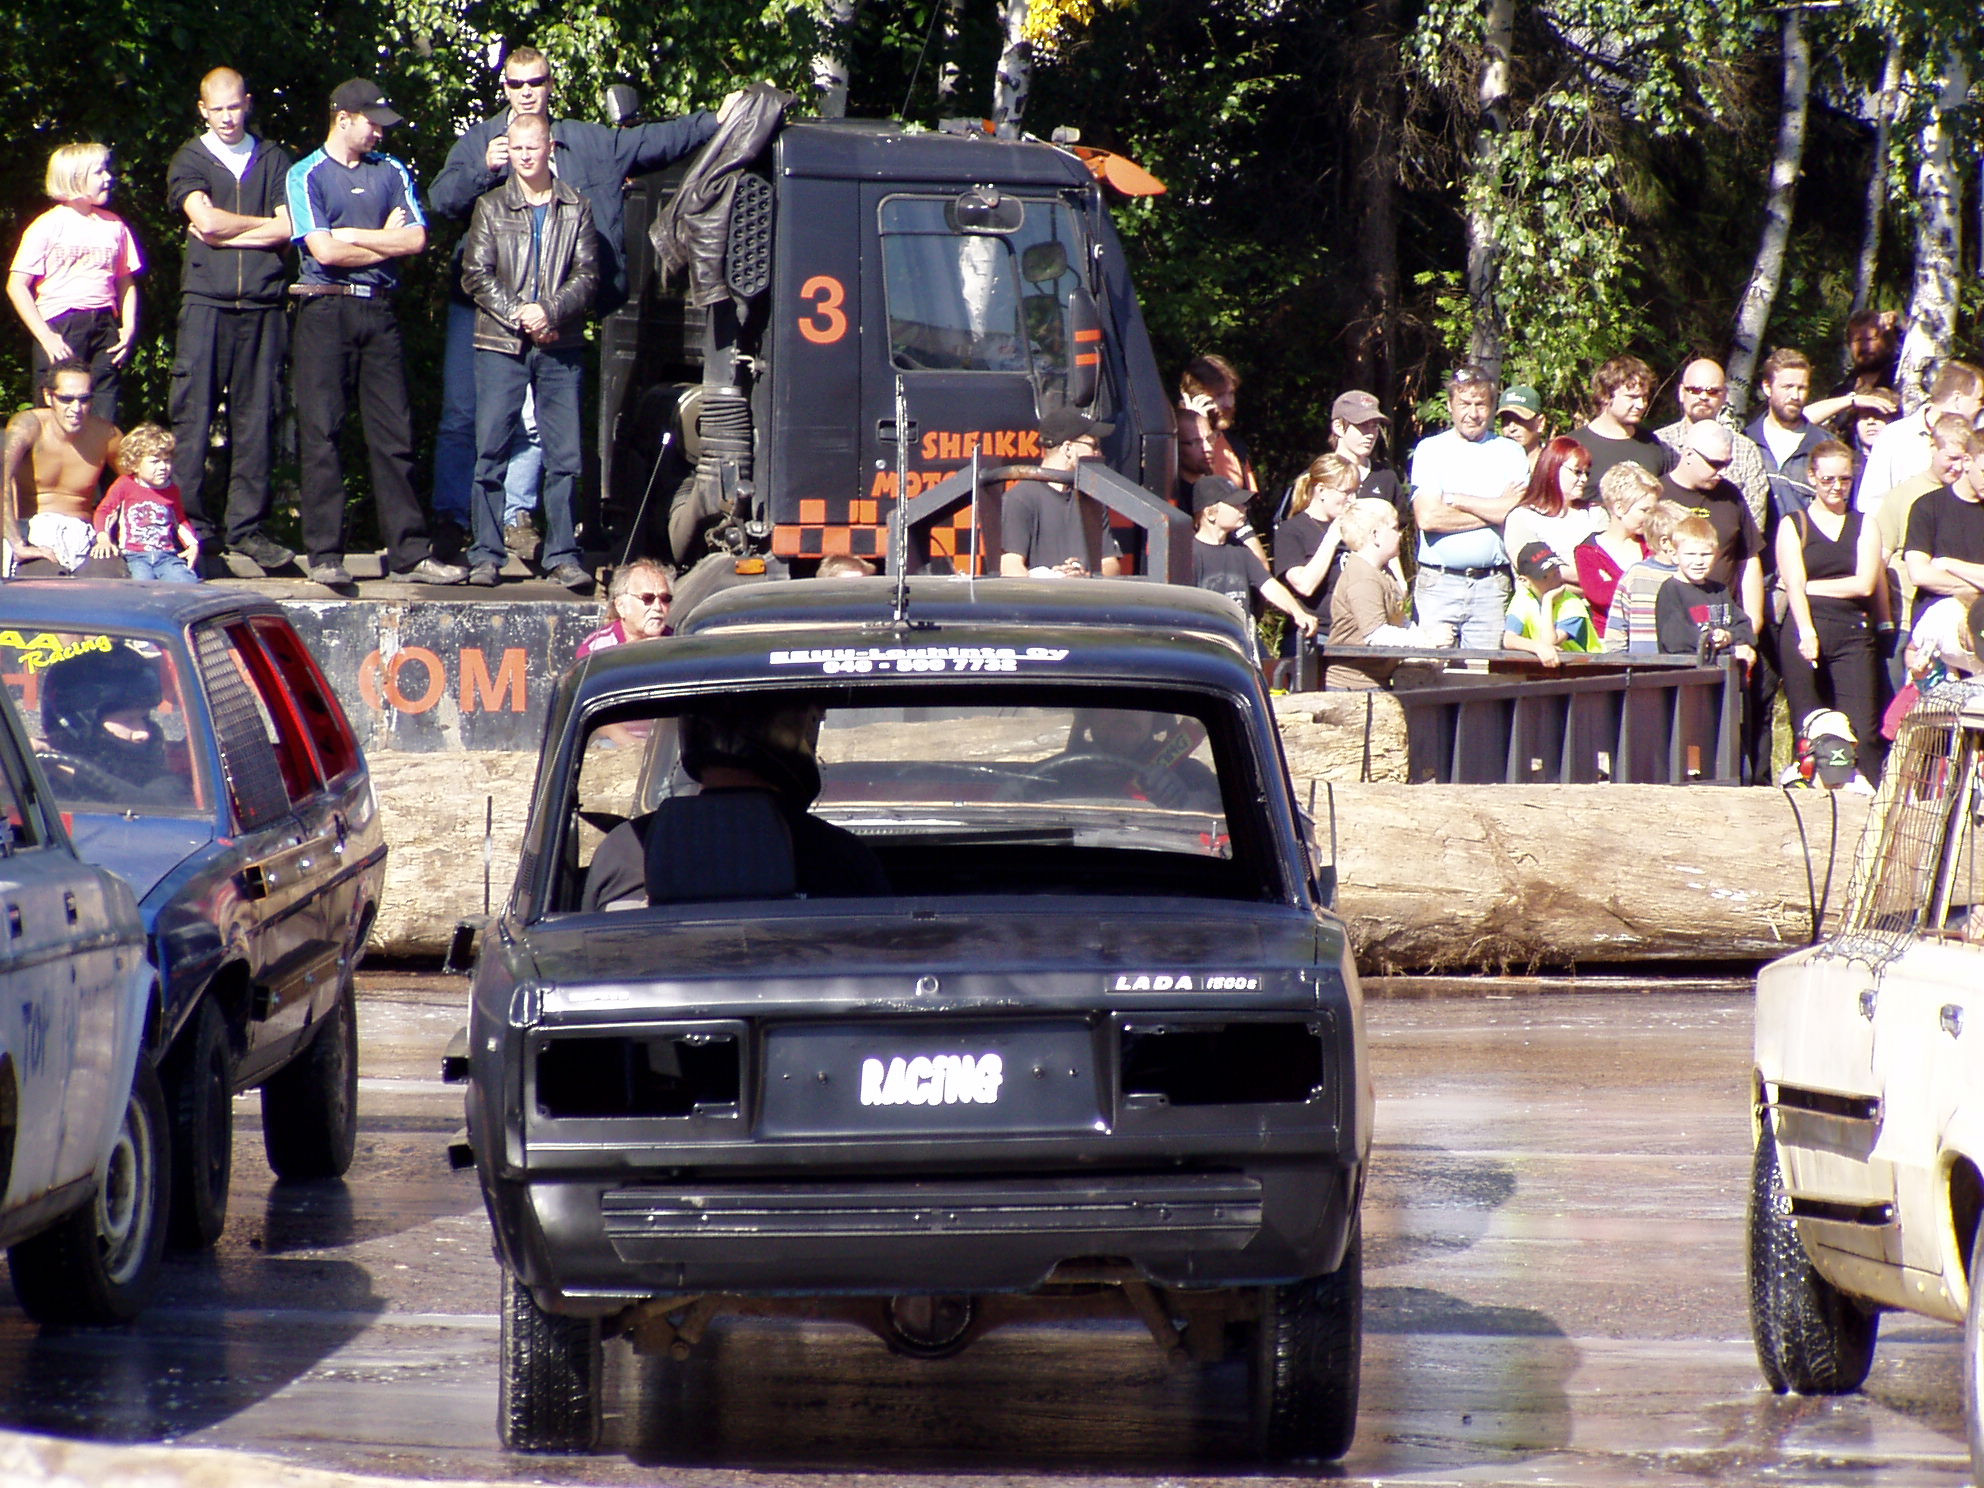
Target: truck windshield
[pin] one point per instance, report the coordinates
(981, 302)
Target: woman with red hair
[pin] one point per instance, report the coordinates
(1556, 510)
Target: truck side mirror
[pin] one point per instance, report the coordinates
(1085, 348)
(623, 105)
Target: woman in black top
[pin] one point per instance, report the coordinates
(1828, 646)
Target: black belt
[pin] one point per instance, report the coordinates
(357, 291)
(1468, 573)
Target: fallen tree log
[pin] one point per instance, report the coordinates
(1433, 877)
(1522, 877)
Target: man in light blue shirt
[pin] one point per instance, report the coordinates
(1464, 482)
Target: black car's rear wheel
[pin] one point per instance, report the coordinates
(548, 1391)
(310, 1105)
(1305, 1362)
(98, 1264)
(199, 1083)
(1812, 1339)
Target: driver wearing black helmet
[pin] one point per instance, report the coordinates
(103, 740)
(758, 766)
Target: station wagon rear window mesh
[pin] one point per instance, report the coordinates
(1917, 857)
(248, 759)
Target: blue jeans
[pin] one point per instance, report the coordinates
(170, 568)
(1476, 606)
(553, 375)
(455, 440)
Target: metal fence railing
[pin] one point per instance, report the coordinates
(1631, 720)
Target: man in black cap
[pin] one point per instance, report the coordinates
(356, 214)
(1047, 530)
(1224, 565)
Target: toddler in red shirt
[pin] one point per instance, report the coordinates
(141, 518)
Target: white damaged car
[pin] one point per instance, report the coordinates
(1866, 1192)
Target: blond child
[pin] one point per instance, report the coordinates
(1695, 615)
(141, 518)
(1630, 623)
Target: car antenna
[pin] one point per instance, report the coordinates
(899, 535)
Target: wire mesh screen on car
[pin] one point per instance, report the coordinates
(247, 758)
(1924, 815)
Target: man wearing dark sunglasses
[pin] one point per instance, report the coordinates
(54, 462)
(595, 161)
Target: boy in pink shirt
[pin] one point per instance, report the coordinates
(141, 518)
(73, 280)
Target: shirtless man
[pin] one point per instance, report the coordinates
(48, 487)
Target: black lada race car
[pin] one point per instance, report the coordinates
(927, 961)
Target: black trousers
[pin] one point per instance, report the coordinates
(90, 334)
(343, 345)
(234, 356)
(1847, 677)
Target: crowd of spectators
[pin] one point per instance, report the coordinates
(1832, 549)
(330, 233)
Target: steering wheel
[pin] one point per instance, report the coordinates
(1084, 766)
(85, 778)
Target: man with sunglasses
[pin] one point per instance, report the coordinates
(55, 455)
(1704, 396)
(595, 161)
(1699, 481)
(1786, 437)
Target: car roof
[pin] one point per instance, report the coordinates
(1115, 604)
(115, 603)
(1095, 631)
(886, 150)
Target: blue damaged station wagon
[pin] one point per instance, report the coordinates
(198, 752)
(927, 964)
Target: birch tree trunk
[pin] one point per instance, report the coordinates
(1015, 76)
(1932, 303)
(1753, 310)
(830, 62)
(948, 71)
(1877, 184)
(1489, 338)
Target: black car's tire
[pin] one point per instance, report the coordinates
(548, 1389)
(199, 1086)
(98, 1264)
(1973, 1359)
(1812, 1339)
(310, 1105)
(1306, 1357)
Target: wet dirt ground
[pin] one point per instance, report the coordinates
(1554, 1253)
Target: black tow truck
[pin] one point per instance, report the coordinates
(926, 958)
(980, 278)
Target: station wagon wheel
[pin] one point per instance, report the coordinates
(1812, 1339)
(98, 1264)
(1305, 1362)
(199, 1080)
(1973, 1359)
(548, 1390)
(310, 1105)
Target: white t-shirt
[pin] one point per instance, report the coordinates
(1783, 442)
(1447, 464)
(234, 157)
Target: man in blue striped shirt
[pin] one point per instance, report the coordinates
(356, 215)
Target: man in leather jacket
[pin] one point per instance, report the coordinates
(594, 158)
(530, 263)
